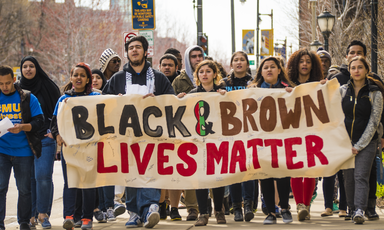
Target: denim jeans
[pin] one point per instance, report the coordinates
(42, 184)
(106, 197)
(88, 197)
(138, 200)
(242, 190)
(22, 172)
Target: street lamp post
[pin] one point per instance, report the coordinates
(326, 21)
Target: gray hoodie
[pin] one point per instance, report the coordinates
(188, 67)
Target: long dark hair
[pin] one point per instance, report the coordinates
(316, 73)
(258, 80)
(245, 55)
(88, 86)
(369, 73)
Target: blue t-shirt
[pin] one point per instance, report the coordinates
(68, 96)
(16, 144)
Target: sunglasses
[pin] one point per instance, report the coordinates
(116, 61)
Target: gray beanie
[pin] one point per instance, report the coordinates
(323, 53)
(106, 57)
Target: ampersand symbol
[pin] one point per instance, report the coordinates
(201, 113)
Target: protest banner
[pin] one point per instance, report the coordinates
(204, 140)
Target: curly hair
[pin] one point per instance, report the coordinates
(211, 65)
(316, 73)
(369, 73)
(258, 80)
(88, 86)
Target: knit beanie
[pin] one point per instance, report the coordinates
(323, 53)
(106, 57)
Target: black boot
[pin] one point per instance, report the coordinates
(370, 213)
(248, 212)
(238, 211)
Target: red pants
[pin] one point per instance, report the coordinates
(302, 189)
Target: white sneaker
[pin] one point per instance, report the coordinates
(111, 214)
(134, 221)
(152, 217)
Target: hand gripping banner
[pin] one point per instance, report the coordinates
(204, 140)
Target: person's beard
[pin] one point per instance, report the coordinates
(136, 63)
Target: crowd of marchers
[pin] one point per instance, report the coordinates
(29, 147)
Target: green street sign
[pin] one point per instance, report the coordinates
(252, 62)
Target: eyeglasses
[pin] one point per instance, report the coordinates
(116, 61)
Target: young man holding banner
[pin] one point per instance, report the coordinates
(142, 203)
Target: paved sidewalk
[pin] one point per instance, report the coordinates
(316, 222)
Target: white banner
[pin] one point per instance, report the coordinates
(204, 140)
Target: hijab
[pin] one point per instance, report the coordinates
(46, 91)
(98, 72)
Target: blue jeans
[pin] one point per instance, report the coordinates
(70, 194)
(138, 200)
(242, 190)
(22, 167)
(42, 184)
(106, 197)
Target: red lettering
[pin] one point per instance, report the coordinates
(314, 145)
(254, 143)
(290, 153)
(214, 154)
(182, 152)
(100, 161)
(124, 158)
(274, 143)
(161, 158)
(238, 147)
(142, 164)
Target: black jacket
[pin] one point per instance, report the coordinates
(234, 83)
(357, 110)
(117, 83)
(344, 75)
(36, 122)
(200, 89)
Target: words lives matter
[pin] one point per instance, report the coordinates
(229, 156)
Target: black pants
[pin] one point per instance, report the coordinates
(268, 190)
(328, 190)
(202, 197)
(372, 183)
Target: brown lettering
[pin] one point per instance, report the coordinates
(268, 107)
(320, 112)
(249, 107)
(228, 118)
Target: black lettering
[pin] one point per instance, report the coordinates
(129, 111)
(101, 122)
(175, 121)
(157, 113)
(83, 129)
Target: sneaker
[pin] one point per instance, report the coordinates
(118, 209)
(175, 214)
(335, 208)
(287, 216)
(45, 223)
(78, 224)
(313, 197)
(358, 217)
(152, 217)
(271, 219)
(349, 215)
(192, 214)
(100, 216)
(327, 212)
(31, 225)
(134, 221)
(86, 224)
(68, 223)
(302, 212)
(25, 226)
(163, 210)
(111, 214)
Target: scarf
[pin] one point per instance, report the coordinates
(150, 83)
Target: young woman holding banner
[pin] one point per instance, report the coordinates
(271, 74)
(304, 66)
(246, 191)
(207, 77)
(362, 104)
(80, 85)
